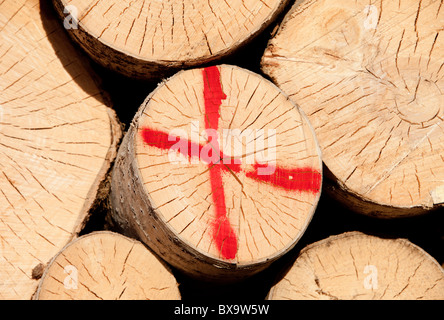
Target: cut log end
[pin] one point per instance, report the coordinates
(58, 140)
(107, 266)
(220, 173)
(145, 39)
(369, 77)
(357, 266)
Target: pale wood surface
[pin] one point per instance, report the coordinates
(357, 266)
(57, 139)
(176, 198)
(143, 38)
(370, 78)
(107, 266)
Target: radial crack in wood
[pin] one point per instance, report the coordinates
(57, 141)
(147, 39)
(107, 266)
(370, 79)
(219, 173)
(357, 266)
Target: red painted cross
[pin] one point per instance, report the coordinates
(299, 179)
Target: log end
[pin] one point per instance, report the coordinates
(107, 266)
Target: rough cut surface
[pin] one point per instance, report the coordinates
(57, 140)
(357, 266)
(369, 76)
(107, 266)
(207, 204)
(146, 38)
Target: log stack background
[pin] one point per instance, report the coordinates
(330, 218)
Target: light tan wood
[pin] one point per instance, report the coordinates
(170, 205)
(369, 76)
(57, 140)
(358, 266)
(107, 266)
(146, 39)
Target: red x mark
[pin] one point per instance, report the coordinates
(299, 179)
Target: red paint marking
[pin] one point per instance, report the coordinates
(190, 149)
(213, 95)
(299, 179)
(162, 140)
(223, 234)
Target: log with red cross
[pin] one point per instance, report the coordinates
(303, 179)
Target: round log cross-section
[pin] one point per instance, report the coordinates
(358, 266)
(58, 138)
(107, 266)
(146, 39)
(219, 173)
(369, 76)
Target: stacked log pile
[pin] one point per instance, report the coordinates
(273, 149)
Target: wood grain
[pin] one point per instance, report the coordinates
(107, 266)
(370, 78)
(353, 266)
(185, 205)
(57, 141)
(148, 39)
